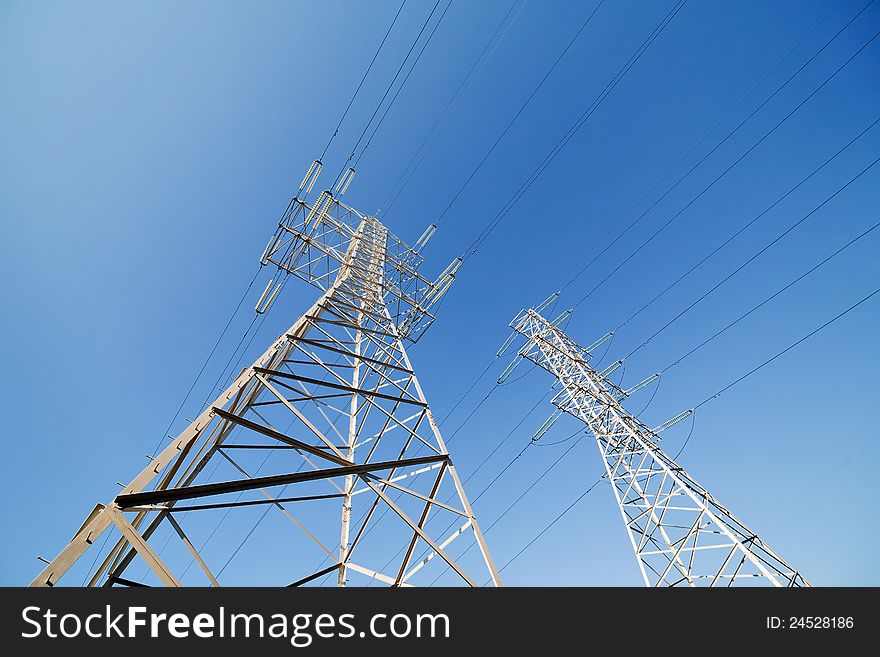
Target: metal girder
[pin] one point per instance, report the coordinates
(206, 490)
(267, 431)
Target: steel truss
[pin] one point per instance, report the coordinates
(680, 534)
(337, 396)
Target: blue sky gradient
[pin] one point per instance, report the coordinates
(148, 149)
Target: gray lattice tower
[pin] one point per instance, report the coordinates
(357, 463)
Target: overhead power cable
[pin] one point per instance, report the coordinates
(572, 131)
(519, 112)
(688, 437)
(567, 136)
(229, 369)
(455, 404)
(744, 227)
(451, 107)
(767, 300)
(787, 349)
(403, 83)
(788, 80)
(387, 91)
(754, 257)
(700, 141)
(541, 533)
(705, 189)
(363, 79)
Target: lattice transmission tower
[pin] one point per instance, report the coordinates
(354, 462)
(680, 534)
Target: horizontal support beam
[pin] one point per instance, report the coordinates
(336, 386)
(232, 446)
(350, 354)
(320, 573)
(277, 435)
(205, 490)
(273, 500)
(127, 582)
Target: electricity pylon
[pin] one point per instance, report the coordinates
(335, 395)
(680, 534)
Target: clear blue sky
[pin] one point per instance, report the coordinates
(147, 149)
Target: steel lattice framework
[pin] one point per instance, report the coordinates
(680, 534)
(335, 395)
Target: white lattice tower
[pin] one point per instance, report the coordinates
(680, 534)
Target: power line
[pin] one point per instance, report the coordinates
(767, 300)
(700, 141)
(403, 83)
(506, 437)
(715, 148)
(567, 136)
(548, 527)
(688, 437)
(457, 99)
(472, 413)
(744, 227)
(753, 257)
(262, 318)
(363, 79)
(727, 170)
(576, 126)
(222, 375)
(788, 348)
(530, 180)
(518, 113)
(451, 409)
(387, 91)
(653, 394)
